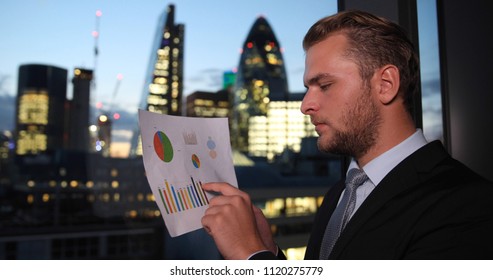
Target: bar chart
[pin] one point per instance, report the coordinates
(178, 199)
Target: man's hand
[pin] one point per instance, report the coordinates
(238, 228)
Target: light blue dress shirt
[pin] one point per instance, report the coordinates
(380, 166)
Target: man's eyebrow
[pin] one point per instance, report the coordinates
(316, 79)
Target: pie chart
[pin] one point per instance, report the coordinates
(196, 161)
(163, 147)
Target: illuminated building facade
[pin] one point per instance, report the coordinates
(283, 127)
(208, 104)
(83, 206)
(261, 78)
(40, 115)
(78, 127)
(5, 146)
(163, 89)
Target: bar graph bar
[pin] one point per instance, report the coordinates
(176, 199)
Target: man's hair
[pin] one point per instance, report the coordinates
(373, 42)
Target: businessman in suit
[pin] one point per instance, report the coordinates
(403, 198)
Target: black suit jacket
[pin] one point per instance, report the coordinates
(429, 206)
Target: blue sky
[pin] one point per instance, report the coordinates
(59, 33)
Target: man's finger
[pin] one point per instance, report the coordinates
(222, 188)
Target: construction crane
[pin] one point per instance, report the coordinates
(95, 34)
(119, 79)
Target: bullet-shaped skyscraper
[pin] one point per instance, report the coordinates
(261, 78)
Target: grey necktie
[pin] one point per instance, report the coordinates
(341, 215)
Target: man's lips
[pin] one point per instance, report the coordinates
(318, 126)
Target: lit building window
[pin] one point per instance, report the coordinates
(295, 253)
(33, 108)
(290, 206)
(132, 214)
(150, 197)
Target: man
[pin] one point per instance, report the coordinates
(413, 200)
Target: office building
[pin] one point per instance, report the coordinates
(282, 128)
(229, 80)
(103, 140)
(40, 115)
(208, 104)
(261, 78)
(78, 126)
(163, 87)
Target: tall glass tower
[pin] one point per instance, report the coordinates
(261, 78)
(163, 87)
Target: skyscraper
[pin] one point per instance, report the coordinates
(41, 99)
(163, 88)
(78, 127)
(261, 78)
(103, 142)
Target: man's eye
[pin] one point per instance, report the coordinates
(325, 86)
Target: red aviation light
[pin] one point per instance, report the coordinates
(249, 45)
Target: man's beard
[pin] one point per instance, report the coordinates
(361, 122)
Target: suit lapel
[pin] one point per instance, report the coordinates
(321, 220)
(404, 176)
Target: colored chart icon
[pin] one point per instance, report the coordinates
(163, 147)
(196, 161)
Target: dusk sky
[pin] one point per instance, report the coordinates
(59, 33)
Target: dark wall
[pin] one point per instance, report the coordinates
(466, 63)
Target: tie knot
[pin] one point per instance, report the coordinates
(355, 177)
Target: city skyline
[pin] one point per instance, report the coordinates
(59, 33)
(50, 19)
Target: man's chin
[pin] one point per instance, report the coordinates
(324, 145)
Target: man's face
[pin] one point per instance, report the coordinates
(339, 103)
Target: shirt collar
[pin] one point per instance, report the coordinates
(380, 166)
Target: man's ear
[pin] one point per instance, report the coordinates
(389, 83)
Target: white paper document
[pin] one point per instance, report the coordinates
(181, 154)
